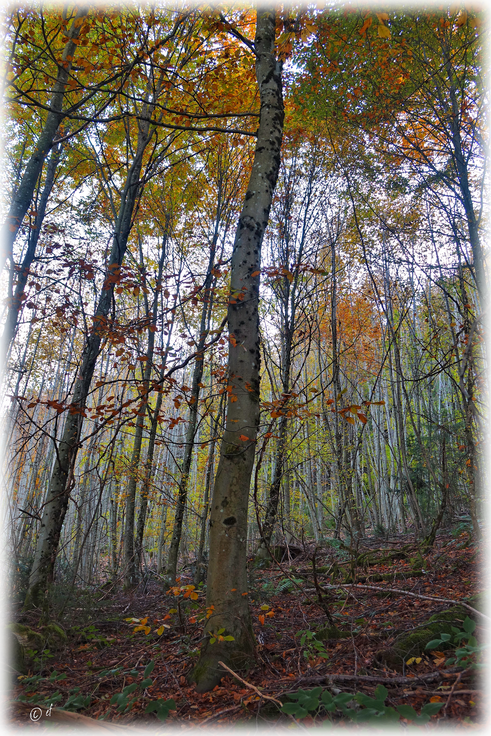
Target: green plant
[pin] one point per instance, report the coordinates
(312, 646)
(318, 702)
(218, 636)
(161, 708)
(467, 655)
(287, 585)
(75, 699)
(90, 634)
(464, 525)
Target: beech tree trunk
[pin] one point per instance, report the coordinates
(193, 412)
(61, 481)
(227, 573)
(23, 196)
(131, 555)
(17, 298)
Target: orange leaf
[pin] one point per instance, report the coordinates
(243, 438)
(261, 619)
(362, 418)
(255, 273)
(365, 26)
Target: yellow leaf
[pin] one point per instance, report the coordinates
(461, 19)
(382, 16)
(383, 31)
(265, 607)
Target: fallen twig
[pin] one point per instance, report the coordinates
(429, 677)
(407, 592)
(217, 715)
(457, 680)
(248, 684)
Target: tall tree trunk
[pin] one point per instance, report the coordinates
(23, 271)
(227, 574)
(130, 558)
(193, 412)
(62, 475)
(23, 196)
(200, 567)
(142, 513)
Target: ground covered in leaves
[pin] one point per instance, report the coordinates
(149, 639)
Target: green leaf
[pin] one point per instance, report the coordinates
(469, 625)
(129, 688)
(381, 692)
(433, 644)
(75, 702)
(161, 708)
(310, 703)
(407, 711)
(295, 710)
(430, 709)
(149, 668)
(326, 697)
(147, 682)
(369, 702)
(343, 699)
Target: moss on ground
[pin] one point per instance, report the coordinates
(413, 643)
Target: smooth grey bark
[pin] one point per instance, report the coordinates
(23, 270)
(130, 556)
(227, 585)
(62, 475)
(287, 292)
(194, 395)
(199, 572)
(149, 466)
(23, 195)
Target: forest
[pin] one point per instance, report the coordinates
(243, 364)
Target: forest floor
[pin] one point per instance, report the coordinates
(105, 654)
